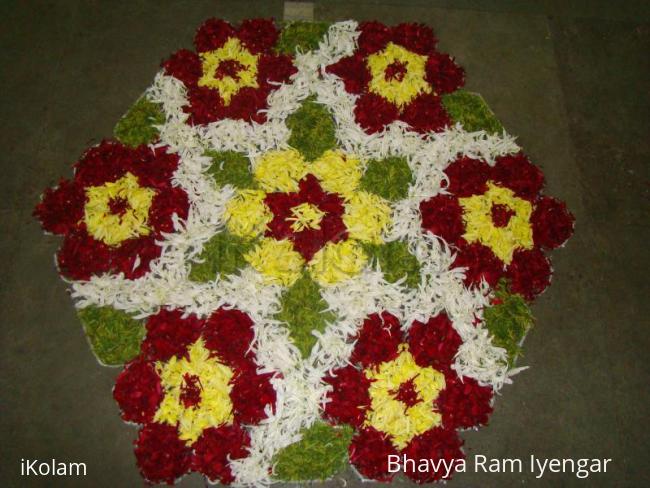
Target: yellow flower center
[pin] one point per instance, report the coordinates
(209, 380)
(306, 216)
(117, 211)
(480, 227)
(389, 413)
(397, 74)
(229, 69)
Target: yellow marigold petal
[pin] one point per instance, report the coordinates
(306, 216)
(366, 217)
(337, 262)
(337, 172)
(110, 228)
(280, 170)
(228, 86)
(215, 406)
(277, 260)
(479, 227)
(399, 92)
(246, 213)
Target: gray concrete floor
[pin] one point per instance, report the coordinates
(570, 78)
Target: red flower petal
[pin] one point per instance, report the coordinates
(258, 34)
(373, 37)
(481, 263)
(169, 334)
(61, 208)
(349, 399)
(275, 68)
(529, 273)
(373, 112)
(436, 444)
(133, 257)
(164, 205)
(443, 217)
(519, 174)
(378, 340)
(464, 403)
(467, 177)
(212, 34)
(214, 450)
(418, 38)
(369, 451)
(426, 114)
(354, 73)
(229, 333)
(552, 223)
(185, 66)
(248, 104)
(161, 456)
(138, 392)
(250, 395)
(444, 74)
(81, 256)
(154, 168)
(434, 343)
(106, 162)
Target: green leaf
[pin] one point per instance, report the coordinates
(320, 454)
(222, 254)
(138, 125)
(472, 111)
(312, 129)
(396, 261)
(302, 36)
(389, 178)
(114, 336)
(303, 309)
(508, 320)
(230, 168)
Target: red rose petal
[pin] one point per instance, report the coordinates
(161, 456)
(138, 391)
(529, 273)
(442, 215)
(552, 223)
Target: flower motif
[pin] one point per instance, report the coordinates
(232, 72)
(112, 213)
(193, 386)
(402, 396)
(499, 222)
(398, 75)
(308, 214)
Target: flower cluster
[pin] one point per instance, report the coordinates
(310, 215)
(402, 396)
(232, 71)
(398, 74)
(119, 203)
(193, 387)
(499, 222)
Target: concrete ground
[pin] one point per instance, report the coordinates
(570, 78)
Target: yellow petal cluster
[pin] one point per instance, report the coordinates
(336, 262)
(111, 228)
(280, 170)
(215, 406)
(366, 217)
(246, 213)
(394, 417)
(337, 172)
(306, 216)
(479, 227)
(228, 86)
(277, 260)
(399, 92)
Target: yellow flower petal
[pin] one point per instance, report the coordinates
(277, 260)
(280, 170)
(366, 217)
(337, 172)
(306, 216)
(246, 214)
(337, 262)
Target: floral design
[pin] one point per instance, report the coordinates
(402, 396)
(232, 71)
(499, 222)
(398, 74)
(112, 213)
(193, 387)
(308, 215)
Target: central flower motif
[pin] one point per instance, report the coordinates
(228, 69)
(397, 74)
(197, 392)
(402, 396)
(307, 214)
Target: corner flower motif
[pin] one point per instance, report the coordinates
(499, 222)
(398, 75)
(232, 72)
(193, 387)
(402, 396)
(307, 215)
(113, 212)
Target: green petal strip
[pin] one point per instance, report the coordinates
(320, 454)
(137, 126)
(389, 178)
(301, 36)
(222, 254)
(114, 336)
(312, 129)
(230, 168)
(396, 261)
(471, 110)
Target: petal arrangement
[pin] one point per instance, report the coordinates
(308, 248)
